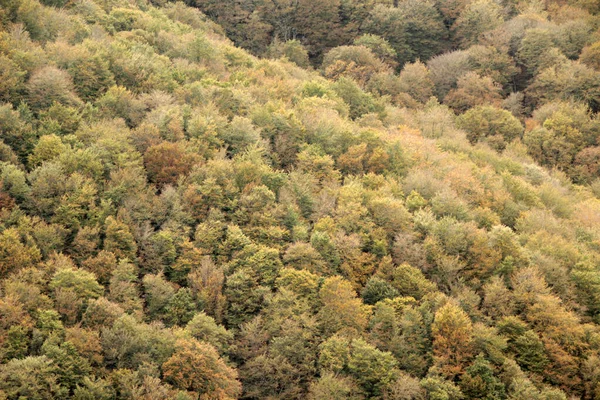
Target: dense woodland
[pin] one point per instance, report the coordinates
(375, 200)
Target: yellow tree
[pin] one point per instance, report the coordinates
(342, 310)
(196, 366)
(452, 340)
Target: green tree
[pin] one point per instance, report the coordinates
(477, 17)
(293, 50)
(440, 389)
(479, 382)
(414, 29)
(530, 352)
(181, 307)
(91, 77)
(71, 368)
(567, 80)
(158, 293)
(494, 63)
(360, 103)
(32, 377)
(204, 328)
(376, 290)
(119, 240)
(378, 46)
(372, 368)
(498, 127)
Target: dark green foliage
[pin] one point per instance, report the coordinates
(377, 289)
(479, 381)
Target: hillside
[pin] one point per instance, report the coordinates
(181, 219)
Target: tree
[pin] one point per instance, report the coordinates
(102, 265)
(479, 381)
(239, 135)
(293, 50)
(530, 352)
(48, 85)
(360, 103)
(32, 377)
(333, 387)
(341, 310)
(534, 51)
(101, 313)
(72, 288)
(405, 388)
(244, 296)
(12, 78)
(14, 255)
(440, 389)
(204, 328)
(376, 290)
(356, 62)
(378, 46)
(94, 389)
(265, 375)
(181, 307)
(414, 29)
(46, 149)
(206, 282)
(18, 133)
(196, 366)
(372, 368)
(83, 283)
(473, 90)
(166, 162)
(91, 77)
(445, 70)
(71, 368)
(567, 80)
(123, 288)
(452, 340)
(425, 30)
(590, 55)
(410, 281)
(119, 240)
(303, 256)
(412, 347)
(478, 17)
(158, 294)
(498, 127)
(494, 63)
(416, 81)
(130, 344)
(388, 23)
(587, 164)
(558, 141)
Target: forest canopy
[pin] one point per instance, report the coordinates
(325, 199)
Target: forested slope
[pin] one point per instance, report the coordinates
(180, 219)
